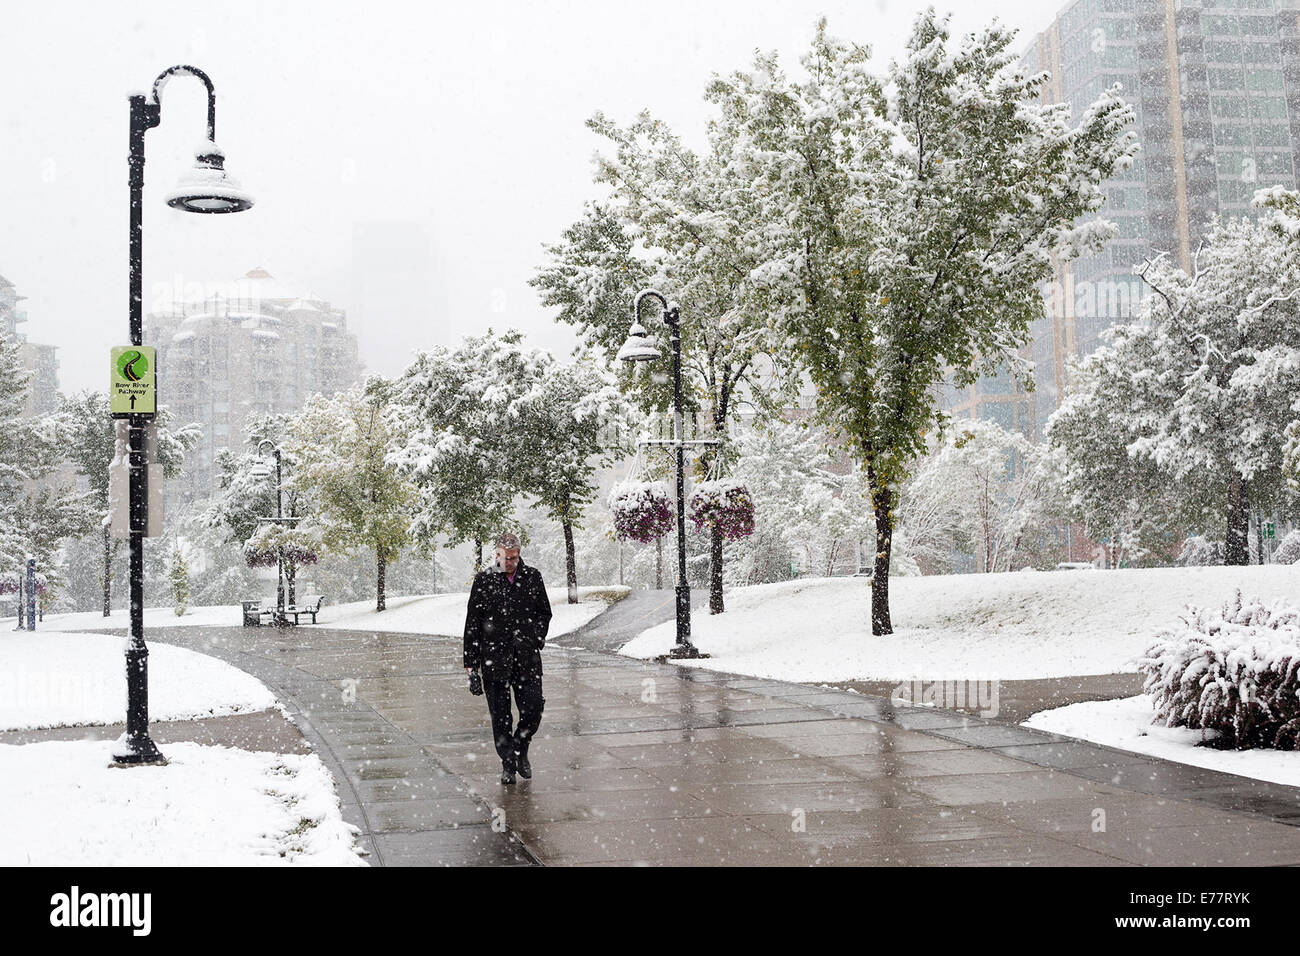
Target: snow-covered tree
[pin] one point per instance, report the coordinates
(362, 502)
(985, 486)
(910, 223)
(1121, 498)
(692, 219)
(574, 419)
(245, 503)
(178, 576)
(1206, 379)
(803, 504)
(90, 433)
(456, 414)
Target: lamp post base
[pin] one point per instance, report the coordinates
(684, 652)
(141, 752)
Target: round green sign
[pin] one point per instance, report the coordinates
(132, 366)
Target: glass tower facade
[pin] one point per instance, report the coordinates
(1216, 91)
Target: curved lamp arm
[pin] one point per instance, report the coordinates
(183, 70)
(671, 311)
(267, 441)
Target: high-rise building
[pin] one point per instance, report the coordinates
(40, 360)
(256, 348)
(1216, 91)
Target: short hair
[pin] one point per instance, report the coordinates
(508, 541)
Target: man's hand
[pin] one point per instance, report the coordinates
(475, 682)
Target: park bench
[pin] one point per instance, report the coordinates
(255, 615)
(311, 604)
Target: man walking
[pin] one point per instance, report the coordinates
(505, 630)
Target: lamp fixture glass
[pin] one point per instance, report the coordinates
(208, 188)
(639, 347)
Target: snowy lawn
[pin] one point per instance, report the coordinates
(210, 806)
(49, 679)
(1126, 725)
(442, 614)
(968, 626)
(226, 615)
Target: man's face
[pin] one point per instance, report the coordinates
(508, 558)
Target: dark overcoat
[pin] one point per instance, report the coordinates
(506, 624)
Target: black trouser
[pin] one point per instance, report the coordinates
(528, 697)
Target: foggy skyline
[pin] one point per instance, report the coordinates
(408, 161)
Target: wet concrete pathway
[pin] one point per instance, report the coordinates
(645, 763)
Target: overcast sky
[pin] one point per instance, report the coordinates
(408, 159)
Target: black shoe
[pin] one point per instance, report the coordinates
(507, 775)
(525, 768)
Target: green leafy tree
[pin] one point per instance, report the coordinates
(89, 434)
(910, 226)
(456, 415)
(178, 576)
(574, 417)
(362, 501)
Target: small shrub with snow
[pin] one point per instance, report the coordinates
(1288, 549)
(1199, 552)
(1234, 671)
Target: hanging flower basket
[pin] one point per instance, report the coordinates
(642, 510)
(296, 546)
(725, 504)
(9, 583)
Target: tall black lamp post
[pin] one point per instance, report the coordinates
(206, 189)
(639, 347)
(279, 520)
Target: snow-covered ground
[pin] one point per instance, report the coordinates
(442, 614)
(210, 806)
(1126, 724)
(51, 679)
(969, 626)
(226, 615)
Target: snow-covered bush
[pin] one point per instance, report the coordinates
(1288, 549)
(642, 510)
(1234, 671)
(1199, 552)
(724, 503)
(178, 576)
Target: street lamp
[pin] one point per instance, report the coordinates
(261, 470)
(207, 189)
(639, 347)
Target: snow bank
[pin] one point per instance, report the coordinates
(225, 615)
(440, 614)
(1127, 725)
(444, 614)
(964, 626)
(210, 806)
(48, 679)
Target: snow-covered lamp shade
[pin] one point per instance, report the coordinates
(261, 469)
(208, 188)
(639, 347)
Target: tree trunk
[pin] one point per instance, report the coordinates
(570, 563)
(291, 582)
(659, 563)
(1259, 536)
(108, 572)
(883, 506)
(716, 605)
(1237, 546)
(478, 555)
(381, 569)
